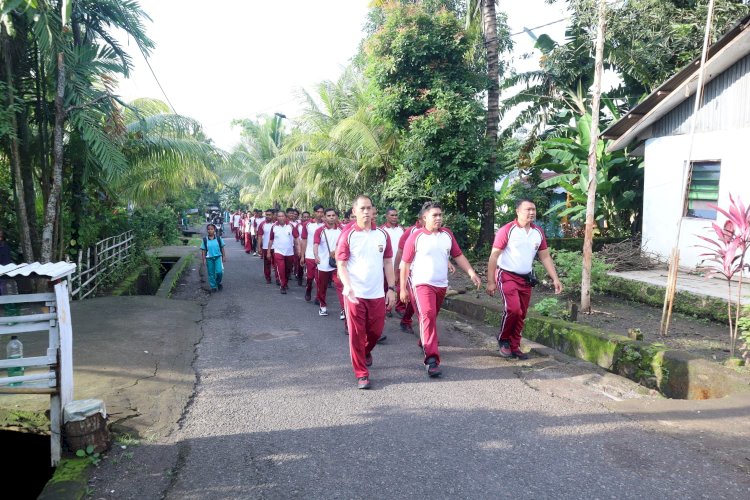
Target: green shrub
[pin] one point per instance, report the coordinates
(551, 307)
(569, 268)
(155, 226)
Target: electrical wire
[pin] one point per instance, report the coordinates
(145, 58)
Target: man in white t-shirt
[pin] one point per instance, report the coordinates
(235, 223)
(424, 268)
(284, 242)
(324, 247)
(263, 235)
(363, 253)
(395, 231)
(511, 261)
(306, 248)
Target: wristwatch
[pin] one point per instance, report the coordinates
(392, 288)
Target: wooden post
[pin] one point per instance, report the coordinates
(674, 262)
(591, 195)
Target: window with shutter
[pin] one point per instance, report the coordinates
(703, 189)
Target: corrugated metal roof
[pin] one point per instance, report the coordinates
(665, 98)
(52, 270)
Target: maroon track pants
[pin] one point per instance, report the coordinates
(365, 321)
(427, 301)
(323, 278)
(268, 263)
(284, 264)
(312, 271)
(515, 294)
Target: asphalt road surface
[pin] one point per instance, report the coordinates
(277, 414)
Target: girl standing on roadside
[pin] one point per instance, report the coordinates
(212, 250)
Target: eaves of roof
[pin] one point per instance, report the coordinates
(721, 55)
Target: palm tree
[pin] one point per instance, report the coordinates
(165, 153)
(337, 150)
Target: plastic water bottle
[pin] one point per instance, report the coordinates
(14, 350)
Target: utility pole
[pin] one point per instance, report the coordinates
(594, 137)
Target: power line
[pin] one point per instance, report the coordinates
(537, 27)
(157, 80)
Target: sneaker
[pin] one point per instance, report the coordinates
(213, 290)
(299, 282)
(317, 302)
(342, 315)
(283, 290)
(368, 360)
(255, 254)
(363, 383)
(268, 282)
(505, 351)
(382, 339)
(308, 296)
(519, 354)
(221, 287)
(433, 369)
(278, 282)
(323, 311)
(389, 314)
(406, 328)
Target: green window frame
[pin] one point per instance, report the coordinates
(703, 189)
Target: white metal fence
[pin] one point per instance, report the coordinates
(97, 262)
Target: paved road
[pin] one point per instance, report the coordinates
(277, 415)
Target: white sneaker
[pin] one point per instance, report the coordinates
(342, 315)
(323, 311)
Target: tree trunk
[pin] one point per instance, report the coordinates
(15, 155)
(591, 195)
(50, 213)
(489, 21)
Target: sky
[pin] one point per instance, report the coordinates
(244, 58)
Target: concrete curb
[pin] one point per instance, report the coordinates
(676, 374)
(69, 480)
(173, 276)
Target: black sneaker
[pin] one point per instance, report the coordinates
(308, 296)
(382, 339)
(406, 328)
(368, 360)
(519, 354)
(283, 290)
(389, 314)
(317, 302)
(363, 383)
(221, 287)
(505, 351)
(433, 369)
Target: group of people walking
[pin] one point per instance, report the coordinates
(376, 270)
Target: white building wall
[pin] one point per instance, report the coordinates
(662, 198)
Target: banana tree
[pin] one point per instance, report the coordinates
(616, 201)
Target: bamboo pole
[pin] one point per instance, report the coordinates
(674, 262)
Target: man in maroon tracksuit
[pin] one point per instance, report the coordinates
(424, 269)
(284, 242)
(362, 254)
(406, 318)
(263, 235)
(516, 244)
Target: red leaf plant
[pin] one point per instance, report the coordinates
(726, 256)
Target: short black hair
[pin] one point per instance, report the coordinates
(361, 197)
(391, 209)
(521, 201)
(317, 207)
(256, 210)
(331, 210)
(288, 209)
(429, 205)
(305, 212)
(270, 210)
(348, 213)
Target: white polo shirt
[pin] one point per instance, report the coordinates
(519, 247)
(324, 236)
(364, 252)
(282, 238)
(236, 220)
(264, 230)
(428, 254)
(394, 233)
(308, 233)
